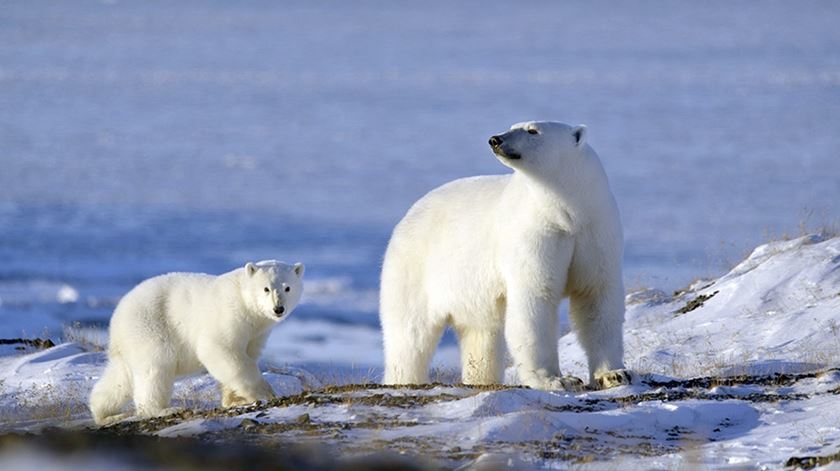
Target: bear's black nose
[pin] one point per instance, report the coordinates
(496, 141)
(279, 310)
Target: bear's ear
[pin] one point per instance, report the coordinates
(250, 269)
(298, 268)
(579, 134)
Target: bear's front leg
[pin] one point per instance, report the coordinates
(241, 380)
(531, 335)
(598, 317)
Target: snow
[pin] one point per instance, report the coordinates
(126, 158)
(751, 316)
(762, 353)
(139, 138)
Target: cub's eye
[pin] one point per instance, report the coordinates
(288, 289)
(533, 131)
(267, 290)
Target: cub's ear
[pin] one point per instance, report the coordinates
(298, 269)
(250, 269)
(579, 134)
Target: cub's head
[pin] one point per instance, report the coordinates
(539, 147)
(272, 288)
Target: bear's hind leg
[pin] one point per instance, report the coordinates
(482, 355)
(111, 392)
(409, 348)
(153, 390)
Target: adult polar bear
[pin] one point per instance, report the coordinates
(494, 256)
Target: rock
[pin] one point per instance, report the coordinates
(248, 423)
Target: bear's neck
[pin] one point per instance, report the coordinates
(570, 200)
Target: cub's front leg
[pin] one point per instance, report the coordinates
(237, 372)
(231, 399)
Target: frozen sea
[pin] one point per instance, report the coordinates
(138, 138)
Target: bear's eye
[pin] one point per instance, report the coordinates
(533, 131)
(267, 290)
(288, 289)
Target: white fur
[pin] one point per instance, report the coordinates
(493, 256)
(182, 323)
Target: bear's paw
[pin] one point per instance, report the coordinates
(557, 383)
(613, 378)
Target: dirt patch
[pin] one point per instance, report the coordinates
(37, 343)
(417, 387)
(695, 303)
(674, 390)
(808, 462)
(314, 399)
(382, 406)
(776, 379)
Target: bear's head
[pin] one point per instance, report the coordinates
(272, 288)
(539, 147)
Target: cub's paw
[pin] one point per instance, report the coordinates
(170, 411)
(232, 399)
(150, 413)
(112, 419)
(613, 378)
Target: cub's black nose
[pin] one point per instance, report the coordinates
(496, 141)
(279, 310)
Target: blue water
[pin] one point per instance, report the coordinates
(143, 137)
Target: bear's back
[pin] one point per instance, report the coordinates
(175, 281)
(455, 200)
(163, 295)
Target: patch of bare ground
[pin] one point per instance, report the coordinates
(417, 395)
(696, 303)
(775, 379)
(23, 343)
(810, 462)
(262, 431)
(404, 396)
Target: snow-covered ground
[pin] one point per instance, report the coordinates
(142, 137)
(741, 371)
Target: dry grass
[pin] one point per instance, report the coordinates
(47, 403)
(90, 339)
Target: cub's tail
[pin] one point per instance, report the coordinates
(112, 391)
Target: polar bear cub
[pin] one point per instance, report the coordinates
(182, 323)
(493, 256)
